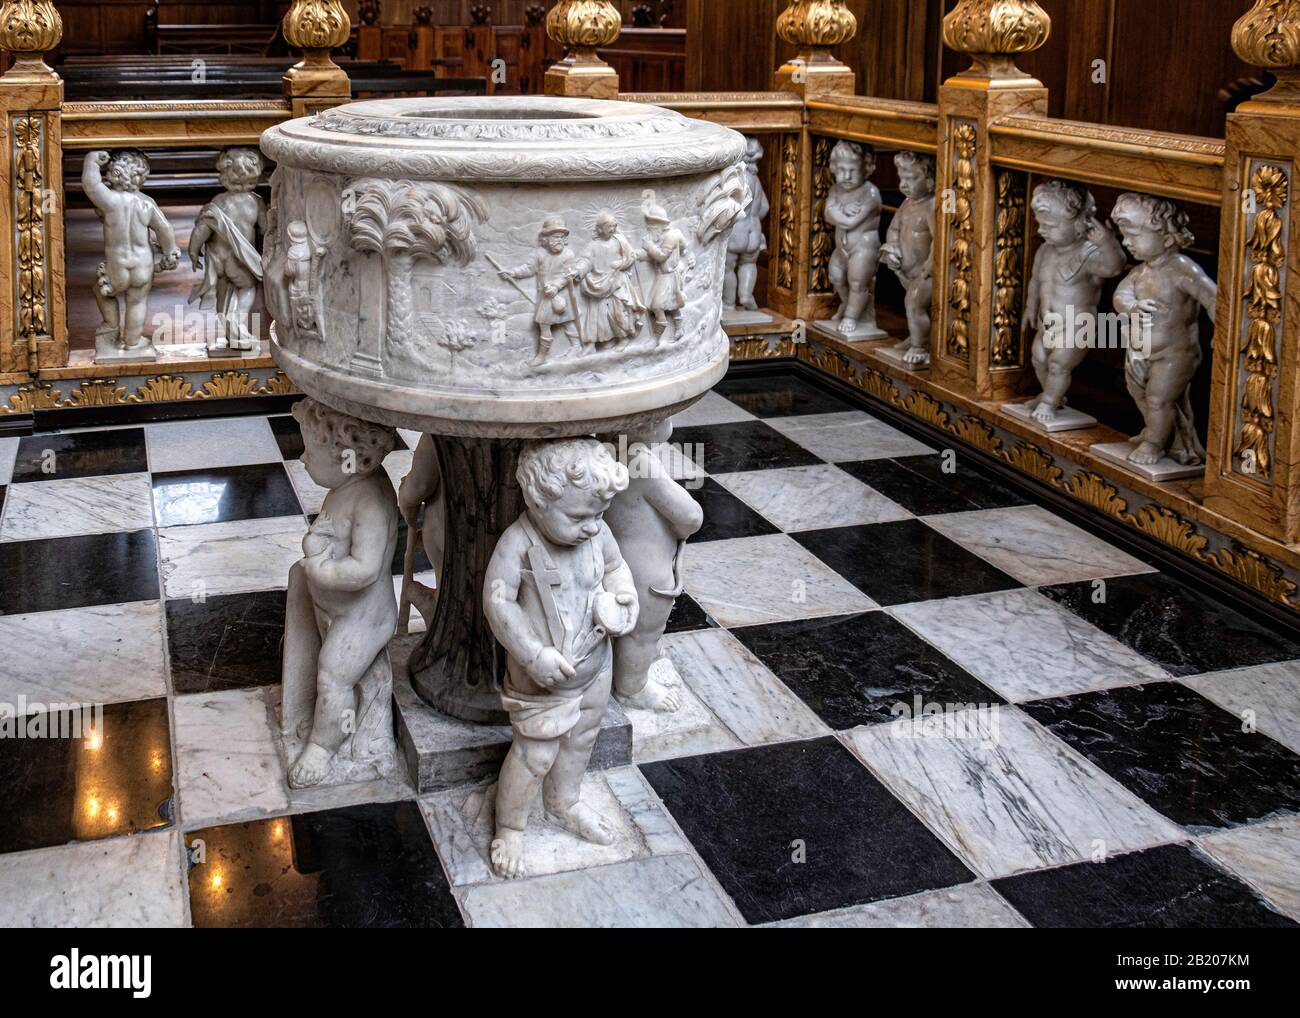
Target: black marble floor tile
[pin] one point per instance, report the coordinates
(227, 641)
(687, 616)
(421, 563)
(726, 516)
(896, 563)
(72, 572)
(219, 494)
(1186, 756)
(357, 866)
(1162, 888)
(920, 486)
(800, 827)
(778, 396)
(95, 780)
(1182, 630)
(745, 445)
(854, 669)
(288, 436)
(81, 454)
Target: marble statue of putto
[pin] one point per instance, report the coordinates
(556, 591)
(747, 240)
(853, 210)
(131, 256)
(651, 521)
(336, 714)
(223, 246)
(909, 251)
(1166, 291)
(1077, 256)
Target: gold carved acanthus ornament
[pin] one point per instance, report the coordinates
(584, 24)
(1002, 27)
(818, 24)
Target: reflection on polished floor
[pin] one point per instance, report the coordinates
(913, 697)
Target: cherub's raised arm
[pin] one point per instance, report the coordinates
(366, 562)
(92, 182)
(510, 623)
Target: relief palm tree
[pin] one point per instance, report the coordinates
(402, 220)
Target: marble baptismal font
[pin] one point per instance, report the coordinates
(535, 285)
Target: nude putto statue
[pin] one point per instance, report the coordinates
(909, 252)
(853, 210)
(131, 257)
(555, 267)
(556, 590)
(300, 279)
(665, 248)
(747, 241)
(1077, 256)
(651, 522)
(223, 246)
(336, 714)
(1166, 292)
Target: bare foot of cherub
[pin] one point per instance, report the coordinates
(1044, 413)
(508, 853)
(662, 691)
(310, 768)
(915, 355)
(1145, 454)
(583, 821)
(848, 326)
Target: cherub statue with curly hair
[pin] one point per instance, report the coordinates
(336, 716)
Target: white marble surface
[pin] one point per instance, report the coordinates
(230, 558)
(1018, 800)
(811, 498)
(397, 464)
(310, 494)
(1024, 646)
(1270, 692)
(1067, 418)
(114, 882)
(101, 654)
(462, 823)
(659, 892)
(967, 906)
(1165, 469)
(754, 705)
(1034, 546)
(848, 436)
(748, 580)
(689, 730)
(8, 453)
(429, 579)
(77, 505)
(224, 442)
(1266, 856)
(711, 409)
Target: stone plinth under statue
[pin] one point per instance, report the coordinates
(494, 271)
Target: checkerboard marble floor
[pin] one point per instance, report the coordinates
(911, 697)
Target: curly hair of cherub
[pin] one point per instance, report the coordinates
(134, 162)
(1076, 200)
(916, 161)
(546, 468)
(246, 162)
(1154, 213)
(851, 151)
(370, 442)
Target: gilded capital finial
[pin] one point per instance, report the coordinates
(990, 29)
(819, 24)
(580, 26)
(29, 29)
(1268, 35)
(316, 27)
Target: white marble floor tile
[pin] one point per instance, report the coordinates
(77, 505)
(429, 579)
(1266, 856)
(397, 464)
(971, 906)
(101, 654)
(227, 763)
(1034, 546)
(310, 494)
(116, 882)
(740, 690)
(712, 409)
(1005, 794)
(749, 580)
(668, 891)
(411, 438)
(8, 453)
(688, 731)
(223, 442)
(1270, 693)
(1024, 646)
(230, 558)
(811, 498)
(848, 436)
(462, 823)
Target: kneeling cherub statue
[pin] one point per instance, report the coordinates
(556, 591)
(336, 713)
